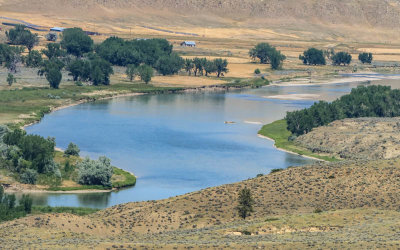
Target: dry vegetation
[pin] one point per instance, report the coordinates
(358, 200)
(362, 138)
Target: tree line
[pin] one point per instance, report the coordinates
(92, 63)
(371, 101)
(314, 56)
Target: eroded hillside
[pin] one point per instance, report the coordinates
(362, 138)
(300, 19)
(208, 216)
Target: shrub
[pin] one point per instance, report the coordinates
(26, 203)
(91, 172)
(72, 149)
(257, 71)
(275, 170)
(29, 176)
(11, 79)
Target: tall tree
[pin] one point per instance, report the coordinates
(76, 42)
(246, 202)
(131, 71)
(189, 66)
(267, 54)
(145, 73)
(313, 56)
(221, 65)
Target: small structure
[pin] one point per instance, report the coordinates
(57, 29)
(188, 44)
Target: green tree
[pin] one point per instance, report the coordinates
(53, 50)
(76, 42)
(365, 58)
(267, 54)
(131, 71)
(145, 72)
(221, 65)
(169, 64)
(79, 69)
(246, 202)
(72, 150)
(210, 67)
(341, 58)
(313, 56)
(34, 59)
(21, 36)
(189, 66)
(11, 79)
(100, 71)
(198, 66)
(54, 76)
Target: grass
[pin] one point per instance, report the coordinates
(81, 187)
(128, 179)
(252, 83)
(34, 103)
(279, 133)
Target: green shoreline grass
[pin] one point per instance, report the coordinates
(278, 132)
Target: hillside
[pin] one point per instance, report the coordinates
(298, 19)
(358, 201)
(362, 138)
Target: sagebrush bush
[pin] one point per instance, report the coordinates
(29, 176)
(91, 172)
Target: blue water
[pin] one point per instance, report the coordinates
(177, 143)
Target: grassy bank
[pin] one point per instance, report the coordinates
(278, 132)
(23, 106)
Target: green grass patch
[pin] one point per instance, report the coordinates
(279, 133)
(71, 210)
(123, 179)
(82, 187)
(252, 83)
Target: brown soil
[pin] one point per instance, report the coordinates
(363, 138)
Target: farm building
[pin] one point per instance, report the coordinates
(57, 29)
(188, 44)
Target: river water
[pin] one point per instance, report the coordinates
(178, 143)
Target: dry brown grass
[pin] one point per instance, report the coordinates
(361, 198)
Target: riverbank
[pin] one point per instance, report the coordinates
(74, 95)
(278, 133)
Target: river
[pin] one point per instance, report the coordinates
(178, 143)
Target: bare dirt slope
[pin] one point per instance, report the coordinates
(306, 19)
(362, 138)
(207, 216)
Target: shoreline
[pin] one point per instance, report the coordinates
(18, 188)
(303, 82)
(287, 151)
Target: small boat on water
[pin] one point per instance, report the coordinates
(229, 122)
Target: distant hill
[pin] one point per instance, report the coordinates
(374, 13)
